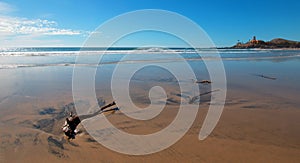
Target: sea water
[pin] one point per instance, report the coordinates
(37, 72)
(11, 58)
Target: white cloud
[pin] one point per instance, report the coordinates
(14, 30)
(15, 25)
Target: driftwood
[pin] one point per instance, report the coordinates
(266, 77)
(202, 81)
(102, 110)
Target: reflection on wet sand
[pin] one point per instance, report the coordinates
(260, 121)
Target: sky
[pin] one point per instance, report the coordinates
(34, 23)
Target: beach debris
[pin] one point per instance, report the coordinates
(264, 76)
(108, 105)
(195, 98)
(202, 81)
(205, 82)
(113, 110)
(102, 110)
(71, 123)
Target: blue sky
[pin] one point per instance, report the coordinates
(69, 22)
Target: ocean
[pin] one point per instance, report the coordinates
(11, 58)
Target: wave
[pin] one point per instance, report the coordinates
(139, 61)
(154, 50)
(27, 57)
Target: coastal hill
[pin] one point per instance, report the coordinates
(273, 44)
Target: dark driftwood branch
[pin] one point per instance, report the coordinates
(266, 77)
(102, 110)
(202, 81)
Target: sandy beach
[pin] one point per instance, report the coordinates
(260, 121)
(149, 81)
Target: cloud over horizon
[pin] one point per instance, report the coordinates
(15, 25)
(13, 28)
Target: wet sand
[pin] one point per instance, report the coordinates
(260, 121)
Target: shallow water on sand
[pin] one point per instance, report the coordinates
(257, 87)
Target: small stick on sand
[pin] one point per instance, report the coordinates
(264, 76)
(202, 81)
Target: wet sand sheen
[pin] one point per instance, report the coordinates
(259, 123)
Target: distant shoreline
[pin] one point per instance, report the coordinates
(277, 43)
(231, 48)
